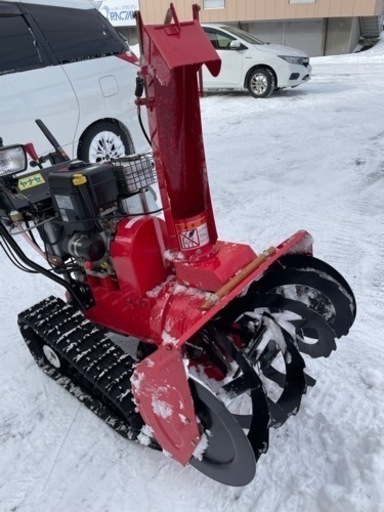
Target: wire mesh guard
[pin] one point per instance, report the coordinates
(135, 172)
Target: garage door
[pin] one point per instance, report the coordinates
(306, 35)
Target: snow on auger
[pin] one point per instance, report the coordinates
(176, 339)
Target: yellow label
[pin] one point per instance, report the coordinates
(33, 180)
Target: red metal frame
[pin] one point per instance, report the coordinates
(165, 270)
(172, 55)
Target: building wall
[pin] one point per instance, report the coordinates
(305, 35)
(325, 27)
(252, 10)
(355, 34)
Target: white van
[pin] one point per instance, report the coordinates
(61, 61)
(248, 63)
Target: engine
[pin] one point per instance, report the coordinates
(76, 207)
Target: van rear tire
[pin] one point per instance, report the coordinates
(103, 142)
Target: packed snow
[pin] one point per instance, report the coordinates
(308, 158)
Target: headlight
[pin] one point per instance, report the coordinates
(295, 60)
(13, 159)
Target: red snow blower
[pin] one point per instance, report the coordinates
(176, 339)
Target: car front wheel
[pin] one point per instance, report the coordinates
(261, 83)
(103, 142)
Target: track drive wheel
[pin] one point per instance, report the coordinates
(228, 457)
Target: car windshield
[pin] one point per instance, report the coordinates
(245, 36)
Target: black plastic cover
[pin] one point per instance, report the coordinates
(79, 205)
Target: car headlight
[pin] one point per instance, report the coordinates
(13, 159)
(295, 60)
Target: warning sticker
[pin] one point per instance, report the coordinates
(193, 233)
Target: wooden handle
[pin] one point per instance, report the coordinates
(232, 283)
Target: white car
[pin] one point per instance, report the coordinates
(248, 63)
(61, 61)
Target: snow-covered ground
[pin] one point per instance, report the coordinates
(311, 158)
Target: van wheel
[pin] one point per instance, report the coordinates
(103, 142)
(261, 83)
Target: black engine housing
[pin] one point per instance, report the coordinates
(79, 195)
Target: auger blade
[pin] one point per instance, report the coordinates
(321, 295)
(248, 383)
(257, 419)
(228, 457)
(303, 262)
(279, 378)
(324, 334)
(238, 320)
(292, 382)
(294, 387)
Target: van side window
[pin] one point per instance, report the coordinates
(18, 47)
(77, 34)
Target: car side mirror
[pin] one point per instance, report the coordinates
(235, 45)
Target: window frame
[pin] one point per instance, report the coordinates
(206, 7)
(298, 2)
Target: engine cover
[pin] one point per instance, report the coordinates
(79, 194)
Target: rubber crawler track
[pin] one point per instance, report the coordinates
(93, 368)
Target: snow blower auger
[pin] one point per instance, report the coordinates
(176, 339)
